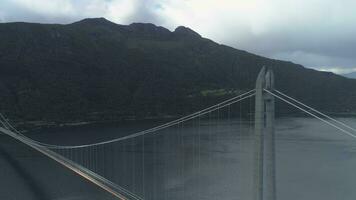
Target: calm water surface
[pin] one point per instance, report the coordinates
(209, 159)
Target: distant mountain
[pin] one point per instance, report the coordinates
(350, 75)
(95, 69)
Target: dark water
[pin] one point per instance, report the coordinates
(203, 159)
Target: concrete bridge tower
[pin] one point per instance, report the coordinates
(264, 172)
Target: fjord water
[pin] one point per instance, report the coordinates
(211, 161)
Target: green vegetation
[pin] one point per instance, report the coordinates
(220, 92)
(97, 70)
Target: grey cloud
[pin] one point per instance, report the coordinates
(13, 12)
(323, 38)
(145, 12)
(315, 50)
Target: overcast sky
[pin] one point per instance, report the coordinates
(319, 34)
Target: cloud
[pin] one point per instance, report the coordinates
(338, 70)
(325, 63)
(67, 11)
(315, 33)
(45, 7)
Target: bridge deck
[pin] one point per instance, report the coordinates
(28, 174)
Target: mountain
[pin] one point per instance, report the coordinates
(98, 70)
(350, 75)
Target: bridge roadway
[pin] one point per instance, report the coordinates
(27, 174)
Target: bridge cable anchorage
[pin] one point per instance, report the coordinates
(320, 113)
(304, 110)
(223, 104)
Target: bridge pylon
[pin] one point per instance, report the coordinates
(264, 172)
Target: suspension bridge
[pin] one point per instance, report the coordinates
(145, 164)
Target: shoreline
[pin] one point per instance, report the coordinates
(41, 124)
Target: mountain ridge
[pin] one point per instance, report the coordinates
(95, 69)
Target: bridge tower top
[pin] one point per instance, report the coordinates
(264, 174)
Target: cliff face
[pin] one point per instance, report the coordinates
(95, 69)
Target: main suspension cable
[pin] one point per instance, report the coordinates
(304, 110)
(320, 113)
(157, 128)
